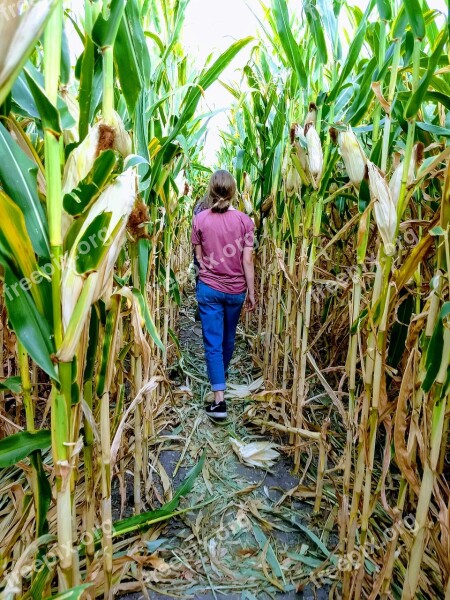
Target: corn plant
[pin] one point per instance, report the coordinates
(353, 222)
(91, 208)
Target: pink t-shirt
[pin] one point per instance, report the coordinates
(223, 237)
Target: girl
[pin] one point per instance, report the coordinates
(223, 238)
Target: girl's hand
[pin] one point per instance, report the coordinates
(250, 303)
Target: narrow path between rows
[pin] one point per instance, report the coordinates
(254, 537)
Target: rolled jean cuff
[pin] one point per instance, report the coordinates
(219, 387)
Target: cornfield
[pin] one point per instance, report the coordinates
(337, 138)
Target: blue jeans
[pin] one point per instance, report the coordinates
(219, 313)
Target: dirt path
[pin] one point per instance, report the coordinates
(253, 537)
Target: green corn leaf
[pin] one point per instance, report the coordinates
(16, 250)
(43, 497)
(290, 46)
(105, 166)
(18, 176)
(86, 87)
(19, 446)
(48, 113)
(30, 327)
(415, 17)
(25, 105)
(315, 24)
(145, 519)
(149, 323)
(330, 22)
(434, 129)
(13, 384)
(90, 249)
(131, 56)
(353, 55)
(270, 554)
(434, 356)
(143, 263)
(75, 593)
(416, 100)
(105, 30)
(384, 9)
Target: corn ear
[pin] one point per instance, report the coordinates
(293, 180)
(353, 156)
(311, 117)
(395, 183)
(315, 155)
(384, 207)
(118, 199)
(299, 143)
(100, 137)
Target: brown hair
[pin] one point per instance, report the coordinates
(221, 191)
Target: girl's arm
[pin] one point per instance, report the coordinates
(198, 253)
(249, 270)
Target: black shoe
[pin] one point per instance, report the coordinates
(217, 412)
(197, 314)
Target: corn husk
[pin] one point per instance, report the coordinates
(395, 183)
(384, 208)
(292, 180)
(82, 158)
(118, 199)
(299, 139)
(315, 155)
(353, 156)
(71, 135)
(247, 186)
(311, 117)
(20, 27)
(244, 390)
(255, 454)
(248, 205)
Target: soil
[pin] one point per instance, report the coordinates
(244, 544)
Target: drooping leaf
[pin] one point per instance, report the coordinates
(149, 323)
(13, 384)
(192, 98)
(16, 250)
(415, 17)
(18, 176)
(19, 446)
(48, 113)
(145, 519)
(131, 56)
(30, 327)
(19, 35)
(75, 593)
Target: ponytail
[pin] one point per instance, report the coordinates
(222, 190)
